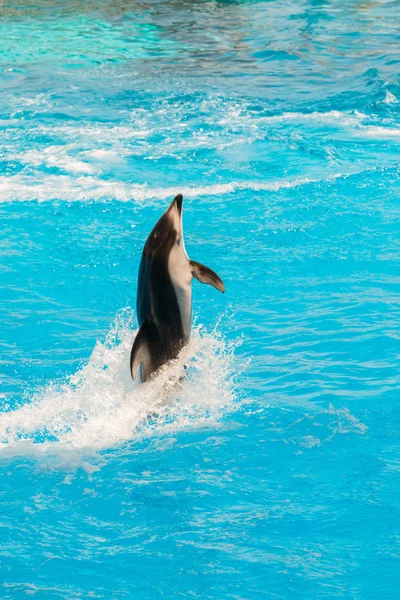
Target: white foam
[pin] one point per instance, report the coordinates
(82, 152)
(336, 117)
(56, 156)
(100, 407)
(390, 98)
(379, 132)
(353, 120)
(104, 156)
(25, 188)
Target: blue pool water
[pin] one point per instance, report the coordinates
(274, 471)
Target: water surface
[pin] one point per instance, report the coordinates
(273, 472)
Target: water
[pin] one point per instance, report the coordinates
(273, 470)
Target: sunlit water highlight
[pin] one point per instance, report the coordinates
(272, 469)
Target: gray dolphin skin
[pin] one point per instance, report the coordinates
(164, 294)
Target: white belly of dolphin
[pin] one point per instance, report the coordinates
(181, 278)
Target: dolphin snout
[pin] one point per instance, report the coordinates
(178, 201)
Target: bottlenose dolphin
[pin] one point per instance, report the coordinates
(164, 294)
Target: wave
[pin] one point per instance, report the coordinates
(389, 98)
(379, 132)
(85, 188)
(91, 157)
(343, 119)
(354, 121)
(100, 407)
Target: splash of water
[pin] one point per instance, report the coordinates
(99, 407)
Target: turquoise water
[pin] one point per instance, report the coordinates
(274, 471)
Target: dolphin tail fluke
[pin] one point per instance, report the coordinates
(206, 275)
(140, 354)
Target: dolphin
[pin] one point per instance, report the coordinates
(164, 294)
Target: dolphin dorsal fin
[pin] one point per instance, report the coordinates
(206, 275)
(140, 354)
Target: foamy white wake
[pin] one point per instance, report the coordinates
(100, 407)
(64, 187)
(89, 161)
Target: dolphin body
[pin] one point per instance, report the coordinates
(164, 294)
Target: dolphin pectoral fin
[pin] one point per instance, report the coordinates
(140, 352)
(206, 275)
